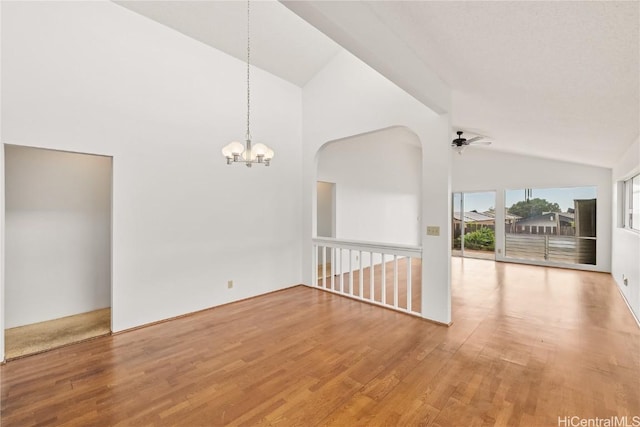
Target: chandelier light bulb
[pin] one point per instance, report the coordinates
(233, 149)
(249, 155)
(259, 149)
(269, 154)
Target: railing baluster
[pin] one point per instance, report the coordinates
(409, 291)
(384, 280)
(339, 266)
(395, 281)
(341, 273)
(350, 273)
(360, 278)
(333, 266)
(315, 266)
(372, 295)
(324, 267)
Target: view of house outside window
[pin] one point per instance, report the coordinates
(474, 212)
(552, 224)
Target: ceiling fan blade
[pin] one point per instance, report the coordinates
(482, 143)
(474, 139)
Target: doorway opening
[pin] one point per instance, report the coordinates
(57, 248)
(367, 218)
(473, 225)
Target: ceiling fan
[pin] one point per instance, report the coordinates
(460, 143)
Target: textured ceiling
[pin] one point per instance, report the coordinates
(281, 42)
(555, 79)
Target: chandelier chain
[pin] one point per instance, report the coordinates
(247, 153)
(248, 66)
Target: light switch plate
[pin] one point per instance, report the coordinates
(433, 230)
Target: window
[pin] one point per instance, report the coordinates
(631, 191)
(556, 225)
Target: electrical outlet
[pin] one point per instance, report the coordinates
(499, 250)
(229, 284)
(357, 258)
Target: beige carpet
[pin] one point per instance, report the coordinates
(43, 336)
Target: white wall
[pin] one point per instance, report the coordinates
(57, 234)
(625, 258)
(480, 169)
(326, 210)
(348, 98)
(94, 77)
(377, 178)
(326, 215)
(2, 246)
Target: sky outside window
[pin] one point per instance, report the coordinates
(483, 201)
(562, 196)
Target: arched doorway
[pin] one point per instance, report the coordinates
(373, 252)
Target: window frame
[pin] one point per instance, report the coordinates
(629, 221)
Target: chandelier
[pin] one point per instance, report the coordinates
(236, 152)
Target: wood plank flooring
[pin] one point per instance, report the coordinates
(342, 283)
(528, 344)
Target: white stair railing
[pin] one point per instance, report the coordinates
(359, 270)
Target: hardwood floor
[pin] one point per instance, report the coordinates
(416, 283)
(528, 345)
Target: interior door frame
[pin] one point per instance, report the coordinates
(3, 234)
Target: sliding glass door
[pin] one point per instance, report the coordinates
(555, 225)
(473, 225)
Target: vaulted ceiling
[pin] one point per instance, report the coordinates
(551, 79)
(281, 42)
